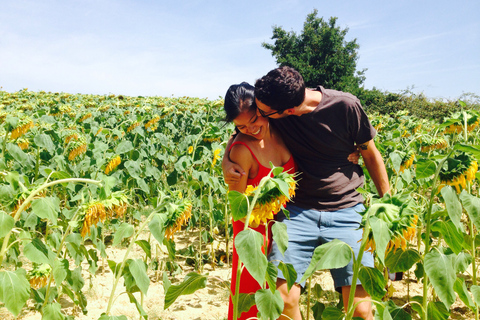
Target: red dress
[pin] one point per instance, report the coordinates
(247, 283)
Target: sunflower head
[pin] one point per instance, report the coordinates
(399, 217)
(273, 195)
(178, 216)
(459, 170)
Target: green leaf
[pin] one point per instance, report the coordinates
(238, 204)
(331, 313)
(124, 231)
(450, 233)
(468, 148)
(401, 261)
(437, 310)
(280, 236)
(269, 304)
(462, 261)
(37, 252)
(331, 255)
(157, 227)
(145, 245)
(462, 291)
(140, 309)
(373, 282)
(44, 141)
(60, 268)
(381, 236)
(192, 282)
(396, 160)
(453, 205)
(14, 290)
(166, 282)
(317, 309)
(289, 273)
(271, 276)
(53, 311)
(249, 245)
(138, 270)
(23, 158)
(472, 206)
(439, 268)
(476, 294)
(425, 168)
(6, 224)
(124, 147)
(47, 208)
(245, 302)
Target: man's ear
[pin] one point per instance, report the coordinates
(290, 111)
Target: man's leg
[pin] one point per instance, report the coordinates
(364, 308)
(303, 233)
(291, 300)
(344, 225)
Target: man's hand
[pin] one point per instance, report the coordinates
(354, 156)
(232, 172)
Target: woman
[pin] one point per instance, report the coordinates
(254, 147)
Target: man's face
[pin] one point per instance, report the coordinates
(265, 111)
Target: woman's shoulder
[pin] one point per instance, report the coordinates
(241, 148)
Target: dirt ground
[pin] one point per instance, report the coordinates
(210, 303)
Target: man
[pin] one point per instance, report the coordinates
(321, 128)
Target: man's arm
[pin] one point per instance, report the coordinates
(375, 166)
(232, 172)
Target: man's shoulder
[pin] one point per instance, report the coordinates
(331, 96)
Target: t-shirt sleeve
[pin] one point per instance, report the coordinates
(360, 127)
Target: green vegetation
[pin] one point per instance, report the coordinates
(77, 170)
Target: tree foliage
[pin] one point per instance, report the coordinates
(320, 53)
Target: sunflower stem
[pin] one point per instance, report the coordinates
(427, 232)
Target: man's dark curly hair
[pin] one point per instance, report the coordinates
(280, 89)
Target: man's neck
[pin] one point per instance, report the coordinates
(312, 99)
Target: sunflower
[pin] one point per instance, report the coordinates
(216, 156)
(133, 126)
(95, 213)
(77, 151)
(23, 126)
(114, 162)
(272, 199)
(460, 170)
(433, 144)
(73, 136)
(23, 144)
(85, 117)
(179, 216)
(152, 123)
(38, 277)
(407, 160)
(400, 219)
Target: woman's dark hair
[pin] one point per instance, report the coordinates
(239, 98)
(280, 89)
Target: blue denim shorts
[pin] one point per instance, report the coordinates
(310, 228)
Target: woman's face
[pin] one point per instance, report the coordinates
(251, 124)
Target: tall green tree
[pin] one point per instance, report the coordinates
(320, 53)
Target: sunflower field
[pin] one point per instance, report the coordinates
(79, 173)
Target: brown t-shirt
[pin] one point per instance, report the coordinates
(320, 142)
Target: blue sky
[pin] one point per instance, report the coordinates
(198, 48)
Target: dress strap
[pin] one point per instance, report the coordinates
(243, 143)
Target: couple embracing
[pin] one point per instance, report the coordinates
(315, 132)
